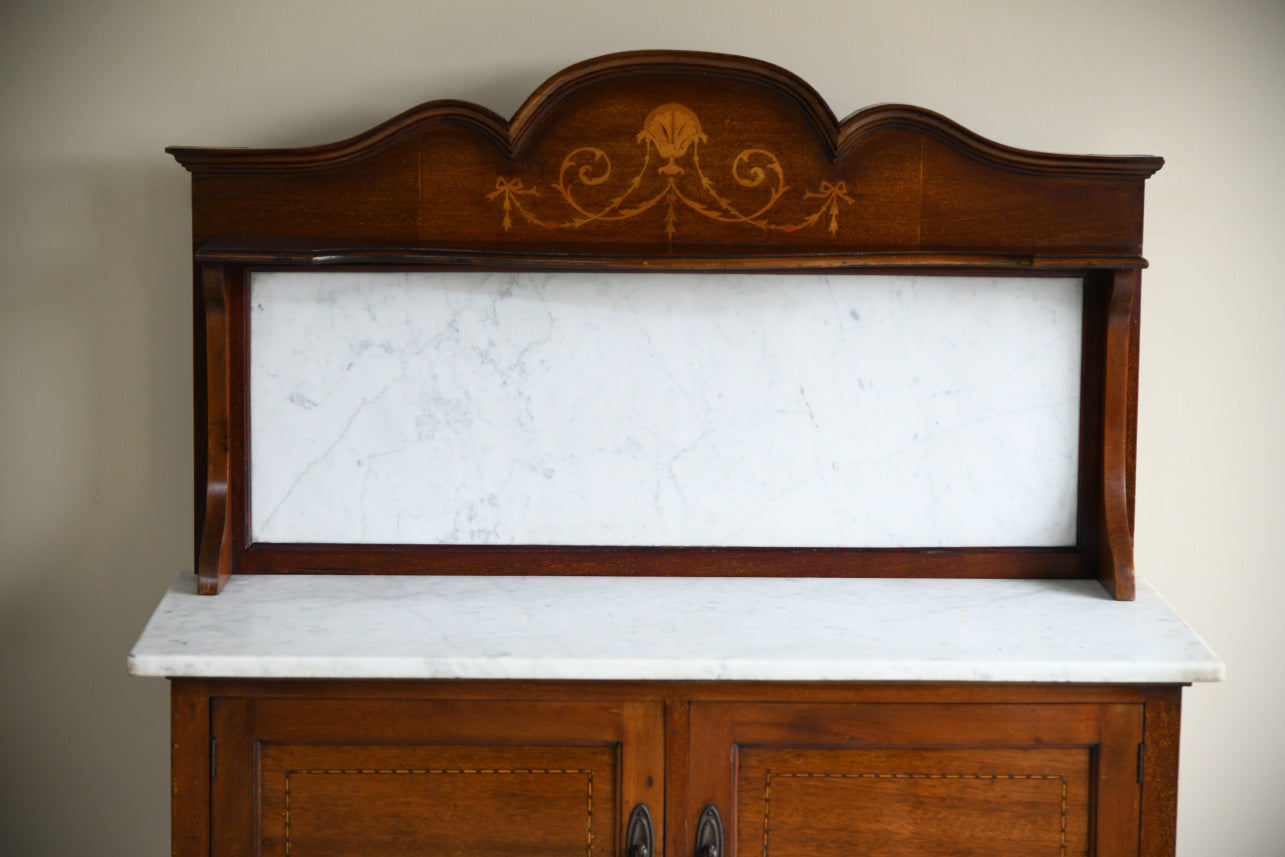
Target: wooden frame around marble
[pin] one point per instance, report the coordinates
(891, 189)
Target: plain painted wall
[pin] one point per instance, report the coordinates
(95, 344)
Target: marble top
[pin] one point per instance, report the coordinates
(607, 408)
(775, 629)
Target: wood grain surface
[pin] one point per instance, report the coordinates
(682, 162)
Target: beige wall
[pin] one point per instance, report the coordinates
(95, 389)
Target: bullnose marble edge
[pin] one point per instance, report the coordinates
(694, 629)
(644, 670)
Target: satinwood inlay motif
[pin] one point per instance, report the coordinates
(671, 134)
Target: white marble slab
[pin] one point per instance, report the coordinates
(296, 626)
(648, 409)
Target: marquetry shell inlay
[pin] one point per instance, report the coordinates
(670, 180)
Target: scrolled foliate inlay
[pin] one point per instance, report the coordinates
(671, 179)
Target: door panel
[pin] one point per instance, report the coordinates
(446, 800)
(448, 778)
(913, 803)
(919, 780)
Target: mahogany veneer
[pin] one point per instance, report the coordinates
(684, 162)
(669, 161)
(556, 768)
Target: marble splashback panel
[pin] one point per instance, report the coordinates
(663, 409)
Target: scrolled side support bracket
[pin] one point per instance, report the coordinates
(214, 556)
(1115, 544)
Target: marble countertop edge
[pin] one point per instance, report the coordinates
(674, 629)
(579, 669)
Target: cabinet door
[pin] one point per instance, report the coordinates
(919, 780)
(323, 777)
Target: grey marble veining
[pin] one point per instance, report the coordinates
(300, 626)
(618, 409)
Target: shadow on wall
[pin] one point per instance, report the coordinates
(96, 468)
(95, 502)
